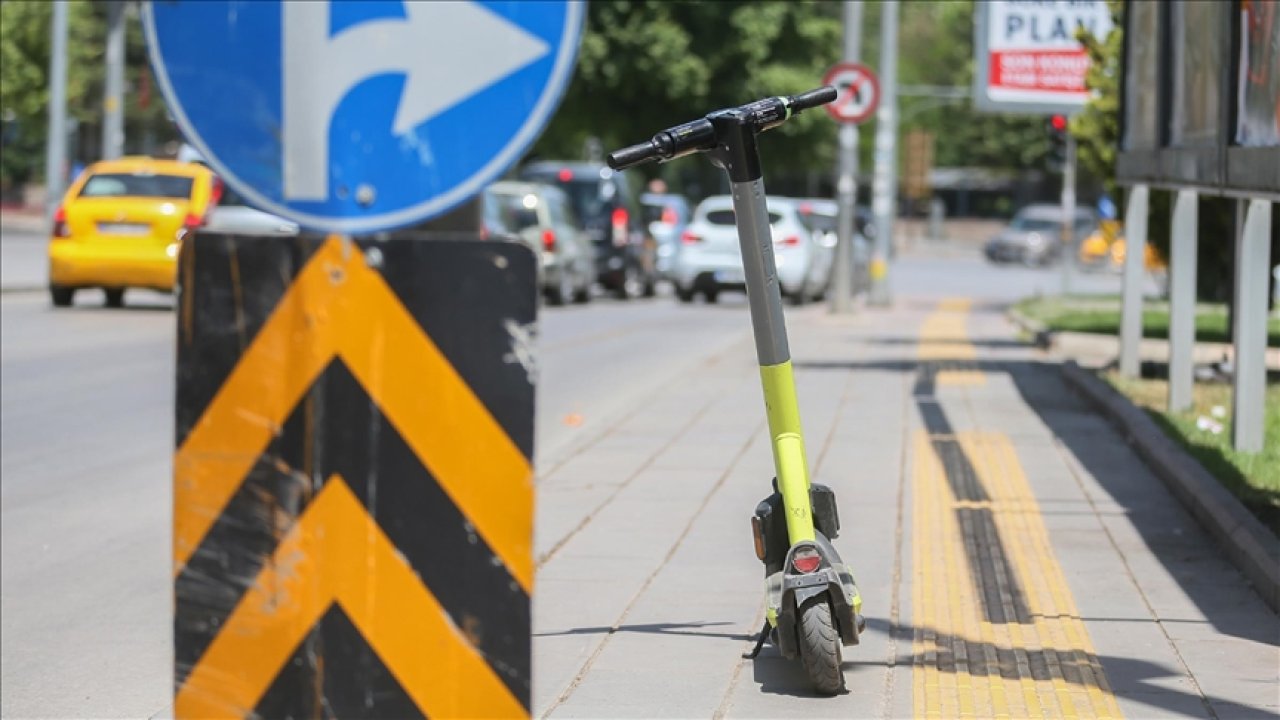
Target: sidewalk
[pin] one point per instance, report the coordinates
(1014, 556)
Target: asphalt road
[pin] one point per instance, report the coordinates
(86, 428)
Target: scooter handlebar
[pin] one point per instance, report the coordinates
(699, 135)
(634, 155)
(812, 99)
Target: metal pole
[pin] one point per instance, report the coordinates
(1253, 264)
(847, 184)
(885, 183)
(1182, 300)
(113, 94)
(1135, 249)
(56, 141)
(1068, 214)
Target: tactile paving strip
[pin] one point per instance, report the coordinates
(997, 633)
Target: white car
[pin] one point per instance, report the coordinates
(709, 259)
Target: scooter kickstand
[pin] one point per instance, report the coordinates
(764, 635)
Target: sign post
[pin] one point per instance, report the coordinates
(859, 93)
(353, 483)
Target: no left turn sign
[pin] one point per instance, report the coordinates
(859, 92)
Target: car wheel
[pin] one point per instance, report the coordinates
(115, 297)
(630, 286)
(562, 293)
(583, 294)
(684, 295)
(61, 296)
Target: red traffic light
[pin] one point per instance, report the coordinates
(1059, 122)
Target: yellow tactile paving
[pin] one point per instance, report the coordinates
(997, 633)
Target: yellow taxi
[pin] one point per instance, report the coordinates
(121, 223)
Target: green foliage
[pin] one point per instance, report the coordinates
(25, 46)
(647, 65)
(1097, 127)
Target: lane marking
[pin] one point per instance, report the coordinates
(1038, 662)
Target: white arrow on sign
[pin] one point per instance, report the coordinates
(448, 51)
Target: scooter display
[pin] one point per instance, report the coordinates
(812, 605)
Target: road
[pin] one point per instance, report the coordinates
(86, 428)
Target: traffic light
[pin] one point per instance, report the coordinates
(1056, 127)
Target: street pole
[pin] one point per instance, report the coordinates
(885, 183)
(56, 142)
(113, 95)
(1068, 214)
(846, 184)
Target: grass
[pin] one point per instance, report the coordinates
(1101, 315)
(1253, 478)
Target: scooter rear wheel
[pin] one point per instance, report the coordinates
(820, 646)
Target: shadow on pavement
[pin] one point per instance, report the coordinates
(689, 629)
(1097, 447)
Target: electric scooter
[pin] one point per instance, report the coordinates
(812, 608)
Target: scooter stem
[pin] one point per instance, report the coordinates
(738, 155)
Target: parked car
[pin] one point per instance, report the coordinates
(234, 215)
(710, 258)
(121, 223)
(1034, 236)
(822, 216)
(626, 254)
(667, 216)
(541, 216)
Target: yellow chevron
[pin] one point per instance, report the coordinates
(374, 585)
(338, 307)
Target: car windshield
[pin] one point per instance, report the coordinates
(1035, 224)
(586, 196)
(516, 211)
(107, 185)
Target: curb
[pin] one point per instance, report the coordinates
(1246, 541)
(1042, 336)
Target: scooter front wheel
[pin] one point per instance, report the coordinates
(820, 645)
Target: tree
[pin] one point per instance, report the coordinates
(24, 82)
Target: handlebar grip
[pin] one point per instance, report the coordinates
(634, 155)
(812, 99)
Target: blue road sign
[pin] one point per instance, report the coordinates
(361, 116)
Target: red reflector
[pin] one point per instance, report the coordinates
(60, 223)
(806, 561)
(789, 241)
(688, 238)
(620, 216)
(669, 216)
(192, 221)
(548, 240)
(215, 191)
(565, 175)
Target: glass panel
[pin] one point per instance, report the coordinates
(1140, 80)
(1199, 53)
(1259, 81)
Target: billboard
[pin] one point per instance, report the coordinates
(1028, 59)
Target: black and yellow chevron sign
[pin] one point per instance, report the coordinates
(353, 490)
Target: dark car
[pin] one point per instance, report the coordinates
(626, 253)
